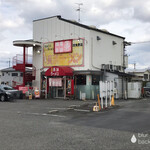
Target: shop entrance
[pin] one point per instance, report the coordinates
(61, 87)
(60, 83)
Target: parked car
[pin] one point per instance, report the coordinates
(5, 96)
(15, 93)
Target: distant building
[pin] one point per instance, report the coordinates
(140, 74)
(12, 77)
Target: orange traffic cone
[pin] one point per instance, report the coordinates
(112, 100)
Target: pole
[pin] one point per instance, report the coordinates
(106, 93)
(24, 64)
(65, 87)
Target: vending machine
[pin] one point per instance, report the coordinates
(70, 87)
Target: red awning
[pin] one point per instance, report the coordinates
(59, 71)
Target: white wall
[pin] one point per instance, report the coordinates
(120, 84)
(9, 78)
(134, 89)
(0, 76)
(38, 64)
(104, 52)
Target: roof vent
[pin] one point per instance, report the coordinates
(105, 30)
(74, 21)
(92, 26)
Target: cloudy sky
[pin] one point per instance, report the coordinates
(129, 18)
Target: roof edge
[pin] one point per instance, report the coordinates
(79, 24)
(57, 16)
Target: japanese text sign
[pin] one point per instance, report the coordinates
(64, 46)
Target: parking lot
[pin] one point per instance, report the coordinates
(70, 124)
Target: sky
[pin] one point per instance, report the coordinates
(129, 18)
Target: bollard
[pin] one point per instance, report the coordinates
(99, 103)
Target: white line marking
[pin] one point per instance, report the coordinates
(83, 110)
(44, 114)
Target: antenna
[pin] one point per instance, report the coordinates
(79, 9)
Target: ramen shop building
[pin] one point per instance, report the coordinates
(74, 57)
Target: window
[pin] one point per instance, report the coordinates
(8, 88)
(14, 74)
(21, 74)
(145, 76)
(2, 74)
(95, 79)
(81, 80)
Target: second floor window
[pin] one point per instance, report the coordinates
(145, 76)
(14, 74)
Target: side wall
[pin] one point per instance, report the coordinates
(104, 52)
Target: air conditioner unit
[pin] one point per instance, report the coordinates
(117, 68)
(120, 68)
(102, 66)
(111, 67)
(107, 67)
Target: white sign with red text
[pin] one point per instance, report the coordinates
(56, 82)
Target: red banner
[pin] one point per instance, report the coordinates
(64, 46)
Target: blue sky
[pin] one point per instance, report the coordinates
(130, 19)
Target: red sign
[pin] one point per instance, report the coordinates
(57, 82)
(54, 71)
(23, 89)
(64, 46)
(59, 71)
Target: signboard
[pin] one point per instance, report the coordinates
(24, 89)
(50, 58)
(64, 46)
(54, 71)
(37, 93)
(57, 82)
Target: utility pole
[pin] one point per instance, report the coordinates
(134, 65)
(9, 62)
(79, 9)
(4, 61)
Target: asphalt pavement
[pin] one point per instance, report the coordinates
(71, 125)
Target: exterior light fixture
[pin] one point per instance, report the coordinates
(38, 51)
(114, 43)
(98, 38)
(78, 39)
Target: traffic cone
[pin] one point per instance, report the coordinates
(112, 101)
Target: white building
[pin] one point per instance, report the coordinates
(140, 74)
(70, 50)
(12, 77)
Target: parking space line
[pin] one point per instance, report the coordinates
(83, 110)
(41, 114)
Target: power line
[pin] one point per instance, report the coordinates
(140, 42)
